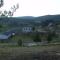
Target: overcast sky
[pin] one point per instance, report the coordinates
(34, 7)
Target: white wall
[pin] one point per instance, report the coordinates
(27, 29)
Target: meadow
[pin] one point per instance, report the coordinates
(48, 52)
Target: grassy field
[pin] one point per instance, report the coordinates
(22, 37)
(15, 52)
(49, 52)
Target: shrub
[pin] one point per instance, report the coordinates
(49, 38)
(20, 42)
(37, 38)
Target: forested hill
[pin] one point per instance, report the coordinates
(49, 18)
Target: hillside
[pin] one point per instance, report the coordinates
(29, 20)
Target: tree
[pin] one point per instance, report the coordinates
(1, 3)
(20, 42)
(33, 29)
(51, 28)
(49, 38)
(9, 13)
(37, 38)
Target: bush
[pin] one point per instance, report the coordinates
(20, 42)
(37, 38)
(49, 38)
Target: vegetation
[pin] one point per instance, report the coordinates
(14, 51)
(37, 37)
(9, 13)
(33, 29)
(20, 42)
(49, 38)
(24, 53)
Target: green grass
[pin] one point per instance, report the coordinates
(22, 37)
(8, 53)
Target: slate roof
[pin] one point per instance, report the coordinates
(6, 34)
(9, 32)
(2, 36)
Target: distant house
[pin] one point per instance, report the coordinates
(26, 29)
(9, 33)
(4, 38)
